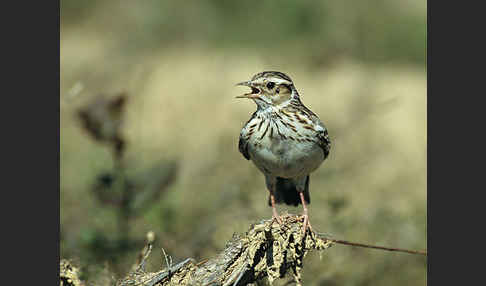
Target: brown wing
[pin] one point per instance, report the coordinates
(243, 147)
(243, 143)
(322, 135)
(324, 141)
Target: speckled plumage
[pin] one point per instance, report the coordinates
(284, 139)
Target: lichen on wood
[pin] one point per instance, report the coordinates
(69, 274)
(267, 249)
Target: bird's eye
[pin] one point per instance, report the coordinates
(270, 85)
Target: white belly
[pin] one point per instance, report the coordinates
(286, 158)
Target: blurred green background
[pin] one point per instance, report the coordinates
(359, 65)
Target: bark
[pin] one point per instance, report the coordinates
(266, 250)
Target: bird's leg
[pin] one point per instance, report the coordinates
(274, 209)
(271, 183)
(305, 215)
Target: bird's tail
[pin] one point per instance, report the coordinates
(286, 192)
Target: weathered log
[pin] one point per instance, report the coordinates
(267, 249)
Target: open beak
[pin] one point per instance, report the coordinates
(255, 92)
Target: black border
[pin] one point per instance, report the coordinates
(31, 110)
(455, 123)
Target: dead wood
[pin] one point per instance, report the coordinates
(266, 250)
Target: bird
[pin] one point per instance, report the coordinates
(284, 139)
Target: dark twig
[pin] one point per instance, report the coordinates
(345, 242)
(168, 262)
(144, 259)
(165, 275)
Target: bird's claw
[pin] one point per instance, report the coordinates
(276, 217)
(306, 224)
(279, 220)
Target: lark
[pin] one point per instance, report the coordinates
(284, 139)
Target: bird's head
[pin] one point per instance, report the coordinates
(270, 88)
